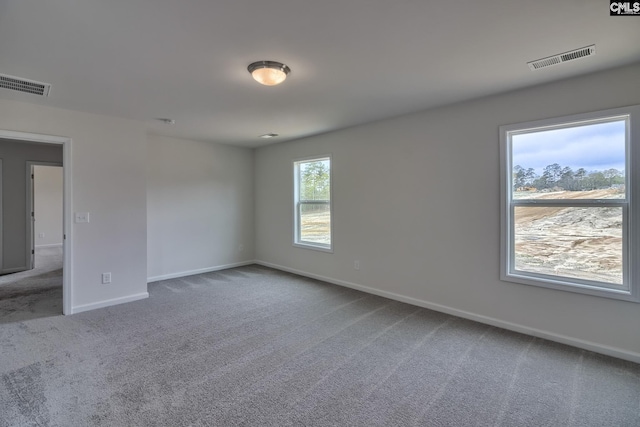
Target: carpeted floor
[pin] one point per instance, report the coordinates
(33, 293)
(252, 346)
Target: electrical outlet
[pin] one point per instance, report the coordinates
(356, 265)
(106, 278)
(41, 235)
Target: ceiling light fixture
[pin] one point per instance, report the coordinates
(269, 135)
(269, 73)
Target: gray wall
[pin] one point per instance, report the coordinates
(199, 206)
(14, 157)
(417, 202)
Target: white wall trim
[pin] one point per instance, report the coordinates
(563, 339)
(107, 303)
(49, 246)
(1, 226)
(199, 271)
(14, 270)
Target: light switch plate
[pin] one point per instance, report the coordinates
(82, 217)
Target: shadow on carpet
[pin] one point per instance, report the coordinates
(31, 298)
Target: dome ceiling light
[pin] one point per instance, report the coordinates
(269, 73)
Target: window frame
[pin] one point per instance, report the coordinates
(297, 203)
(629, 290)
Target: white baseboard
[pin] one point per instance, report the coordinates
(198, 271)
(107, 303)
(49, 246)
(14, 270)
(551, 336)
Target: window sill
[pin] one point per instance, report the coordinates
(311, 246)
(560, 285)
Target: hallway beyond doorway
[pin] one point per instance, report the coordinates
(33, 293)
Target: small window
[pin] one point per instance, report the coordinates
(569, 203)
(312, 201)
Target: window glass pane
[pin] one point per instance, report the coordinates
(315, 223)
(574, 242)
(315, 180)
(587, 160)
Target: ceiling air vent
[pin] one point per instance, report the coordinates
(562, 57)
(24, 85)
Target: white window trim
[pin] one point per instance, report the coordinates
(631, 209)
(296, 193)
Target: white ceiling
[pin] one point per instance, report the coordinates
(352, 61)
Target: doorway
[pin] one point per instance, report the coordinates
(30, 240)
(44, 211)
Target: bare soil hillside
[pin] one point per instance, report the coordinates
(315, 227)
(573, 242)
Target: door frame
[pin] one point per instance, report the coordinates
(31, 208)
(1, 218)
(67, 198)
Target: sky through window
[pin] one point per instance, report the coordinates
(594, 147)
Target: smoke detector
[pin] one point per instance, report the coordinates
(562, 57)
(24, 85)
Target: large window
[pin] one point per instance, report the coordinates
(570, 203)
(312, 201)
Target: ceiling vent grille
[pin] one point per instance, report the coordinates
(562, 57)
(24, 85)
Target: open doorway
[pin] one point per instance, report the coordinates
(35, 226)
(37, 291)
(46, 233)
